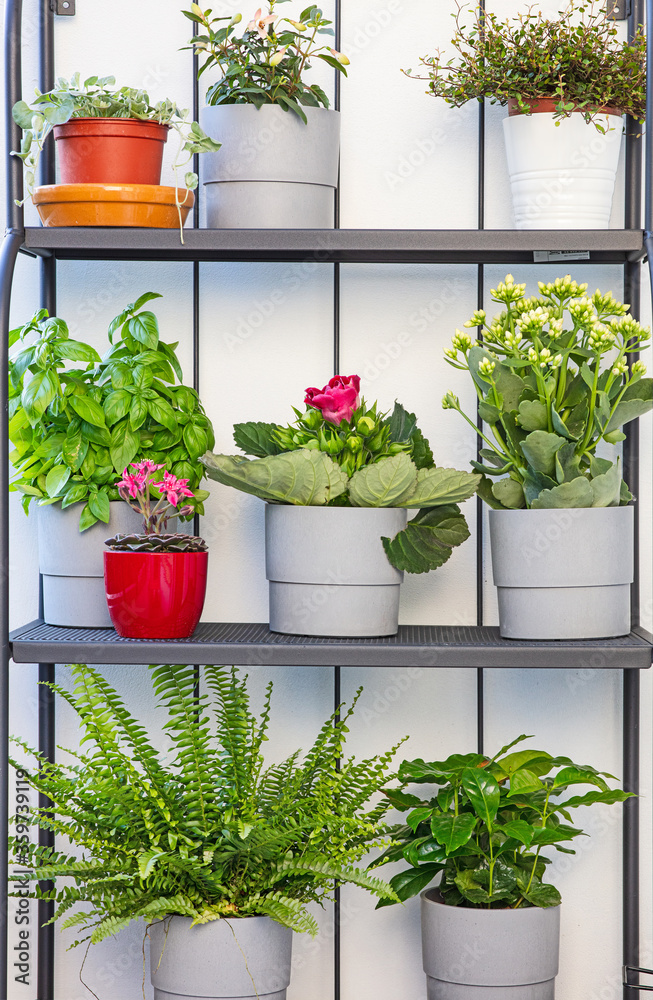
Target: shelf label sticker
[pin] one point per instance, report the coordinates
(551, 256)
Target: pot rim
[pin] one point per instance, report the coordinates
(121, 552)
(433, 896)
(580, 511)
(534, 102)
(269, 107)
(105, 122)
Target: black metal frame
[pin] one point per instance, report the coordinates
(478, 647)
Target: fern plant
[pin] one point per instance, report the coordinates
(205, 831)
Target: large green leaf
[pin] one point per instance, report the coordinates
(117, 405)
(579, 776)
(606, 487)
(411, 882)
(38, 394)
(577, 493)
(125, 444)
(257, 438)
(428, 540)
(524, 781)
(540, 449)
(387, 483)
(437, 487)
(453, 831)
(539, 893)
(161, 411)
(88, 410)
(519, 830)
(533, 415)
(509, 493)
(56, 479)
(636, 400)
(483, 792)
(307, 478)
(75, 350)
(144, 328)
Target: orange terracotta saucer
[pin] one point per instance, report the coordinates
(137, 205)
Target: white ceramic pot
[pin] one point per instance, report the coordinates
(563, 574)
(562, 174)
(241, 959)
(328, 571)
(471, 954)
(273, 171)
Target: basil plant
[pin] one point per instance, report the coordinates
(554, 382)
(74, 428)
(341, 453)
(483, 825)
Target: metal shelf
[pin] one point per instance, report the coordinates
(347, 246)
(414, 645)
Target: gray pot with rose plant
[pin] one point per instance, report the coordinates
(224, 853)
(491, 924)
(555, 387)
(342, 479)
(278, 166)
(76, 420)
(567, 81)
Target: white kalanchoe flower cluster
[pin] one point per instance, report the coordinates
(562, 288)
(507, 291)
(450, 402)
(639, 369)
(627, 327)
(582, 311)
(486, 367)
(620, 368)
(461, 341)
(607, 304)
(477, 319)
(532, 323)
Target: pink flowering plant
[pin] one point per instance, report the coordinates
(265, 63)
(340, 452)
(157, 500)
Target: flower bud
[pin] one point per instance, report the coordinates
(365, 426)
(342, 59)
(196, 9)
(278, 56)
(354, 444)
(236, 19)
(297, 25)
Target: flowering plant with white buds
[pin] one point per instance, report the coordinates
(264, 64)
(555, 378)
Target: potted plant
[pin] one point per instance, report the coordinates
(110, 149)
(566, 83)
(341, 480)
(555, 387)
(279, 164)
(491, 927)
(155, 581)
(216, 852)
(73, 428)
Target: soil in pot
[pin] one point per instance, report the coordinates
(155, 595)
(110, 151)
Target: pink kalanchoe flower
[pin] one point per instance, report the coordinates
(132, 484)
(146, 466)
(173, 489)
(260, 24)
(337, 400)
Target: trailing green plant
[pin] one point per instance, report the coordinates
(579, 62)
(553, 380)
(74, 428)
(97, 97)
(484, 828)
(204, 830)
(265, 65)
(341, 453)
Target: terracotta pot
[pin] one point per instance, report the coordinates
(136, 205)
(547, 105)
(110, 151)
(155, 595)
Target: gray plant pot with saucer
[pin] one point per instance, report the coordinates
(273, 170)
(563, 574)
(222, 960)
(471, 954)
(72, 563)
(328, 571)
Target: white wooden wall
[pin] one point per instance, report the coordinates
(409, 162)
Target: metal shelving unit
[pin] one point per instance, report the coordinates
(477, 647)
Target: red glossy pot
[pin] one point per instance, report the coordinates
(155, 595)
(110, 151)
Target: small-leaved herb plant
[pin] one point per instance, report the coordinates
(204, 829)
(342, 453)
(554, 381)
(576, 59)
(266, 63)
(73, 428)
(485, 827)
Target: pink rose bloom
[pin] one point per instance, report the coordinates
(337, 400)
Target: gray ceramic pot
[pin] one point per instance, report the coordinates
(563, 574)
(328, 572)
(72, 563)
(221, 960)
(489, 954)
(273, 171)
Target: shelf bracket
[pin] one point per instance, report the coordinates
(65, 8)
(619, 10)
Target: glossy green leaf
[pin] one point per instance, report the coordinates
(86, 408)
(389, 482)
(56, 479)
(124, 447)
(427, 542)
(257, 438)
(38, 394)
(483, 793)
(453, 831)
(145, 329)
(98, 503)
